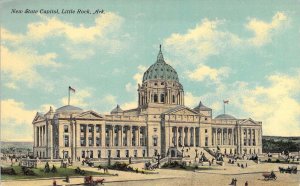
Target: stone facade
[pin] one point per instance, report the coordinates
(161, 124)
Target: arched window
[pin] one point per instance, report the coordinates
(173, 98)
(155, 98)
(162, 98)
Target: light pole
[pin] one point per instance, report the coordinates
(158, 159)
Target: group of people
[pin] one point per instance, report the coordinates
(234, 180)
(242, 165)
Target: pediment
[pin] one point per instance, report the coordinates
(89, 115)
(181, 111)
(248, 122)
(38, 117)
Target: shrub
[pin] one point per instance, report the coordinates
(277, 161)
(27, 171)
(8, 170)
(269, 160)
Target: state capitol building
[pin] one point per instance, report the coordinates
(161, 124)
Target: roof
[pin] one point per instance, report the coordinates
(160, 70)
(202, 107)
(116, 110)
(177, 108)
(69, 108)
(225, 116)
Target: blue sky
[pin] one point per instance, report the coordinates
(246, 52)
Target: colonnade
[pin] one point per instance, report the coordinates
(251, 137)
(186, 136)
(119, 135)
(161, 96)
(40, 136)
(223, 136)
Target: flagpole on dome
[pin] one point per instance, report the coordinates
(69, 96)
(225, 102)
(70, 89)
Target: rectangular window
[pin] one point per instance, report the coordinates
(99, 153)
(97, 128)
(66, 128)
(90, 129)
(90, 141)
(82, 141)
(109, 153)
(66, 140)
(82, 128)
(155, 129)
(91, 154)
(83, 154)
(205, 130)
(135, 153)
(97, 141)
(144, 153)
(127, 153)
(206, 141)
(118, 153)
(154, 141)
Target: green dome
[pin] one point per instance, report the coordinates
(160, 70)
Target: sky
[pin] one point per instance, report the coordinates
(246, 52)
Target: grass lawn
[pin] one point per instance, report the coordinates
(61, 172)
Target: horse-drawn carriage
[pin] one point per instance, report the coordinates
(291, 170)
(88, 180)
(269, 176)
(149, 166)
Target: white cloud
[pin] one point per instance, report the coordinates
(21, 64)
(78, 99)
(81, 41)
(276, 105)
(207, 38)
(263, 31)
(202, 41)
(16, 120)
(203, 72)
(129, 105)
(138, 78)
(191, 100)
(53, 26)
(14, 112)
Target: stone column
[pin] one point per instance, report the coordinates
(188, 136)
(102, 135)
(138, 136)
(40, 137)
(227, 137)
(112, 135)
(121, 136)
(94, 135)
(221, 137)
(86, 135)
(255, 136)
(130, 136)
(178, 135)
(251, 138)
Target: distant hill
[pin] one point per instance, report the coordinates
(279, 143)
(8, 144)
